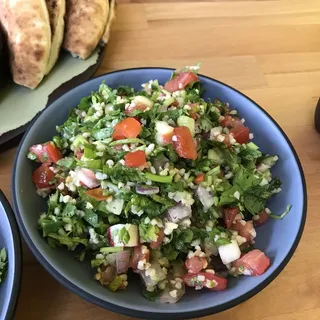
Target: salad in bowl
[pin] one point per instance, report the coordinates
(159, 182)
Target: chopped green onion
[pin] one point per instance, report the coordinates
(282, 216)
(157, 178)
(111, 249)
(126, 141)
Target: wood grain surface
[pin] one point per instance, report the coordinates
(270, 50)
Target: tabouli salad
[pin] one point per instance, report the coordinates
(3, 265)
(159, 182)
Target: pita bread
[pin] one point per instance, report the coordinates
(85, 23)
(56, 10)
(111, 18)
(27, 27)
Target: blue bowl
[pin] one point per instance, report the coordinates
(10, 239)
(278, 239)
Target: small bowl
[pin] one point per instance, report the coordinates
(278, 239)
(9, 239)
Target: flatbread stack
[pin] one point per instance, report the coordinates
(36, 30)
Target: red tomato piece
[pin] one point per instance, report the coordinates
(229, 215)
(156, 244)
(53, 152)
(263, 217)
(221, 283)
(42, 176)
(254, 262)
(46, 152)
(245, 229)
(184, 143)
(135, 159)
(78, 154)
(241, 134)
(231, 122)
(194, 110)
(180, 81)
(96, 194)
(205, 279)
(196, 264)
(167, 138)
(127, 128)
(136, 106)
(226, 140)
(139, 253)
(199, 178)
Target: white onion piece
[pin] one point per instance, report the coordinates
(206, 197)
(229, 252)
(178, 213)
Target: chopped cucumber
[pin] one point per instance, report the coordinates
(115, 206)
(187, 122)
(270, 161)
(216, 156)
(143, 100)
(168, 102)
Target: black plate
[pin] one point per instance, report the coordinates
(12, 138)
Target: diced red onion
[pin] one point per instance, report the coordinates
(122, 261)
(147, 190)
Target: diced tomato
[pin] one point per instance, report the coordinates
(196, 264)
(53, 152)
(88, 178)
(42, 177)
(156, 244)
(241, 134)
(194, 110)
(184, 143)
(226, 140)
(254, 262)
(175, 103)
(199, 178)
(229, 215)
(78, 154)
(127, 128)
(221, 174)
(136, 106)
(139, 253)
(46, 152)
(180, 81)
(221, 283)
(238, 130)
(245, 229)
(167, 138)
(117, 135)
(135, 159)
(96, 194)
(211, 281)
(263, 218)
(231, 122)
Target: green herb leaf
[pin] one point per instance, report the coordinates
(91, 217)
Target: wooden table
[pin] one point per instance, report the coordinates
(268, 49)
